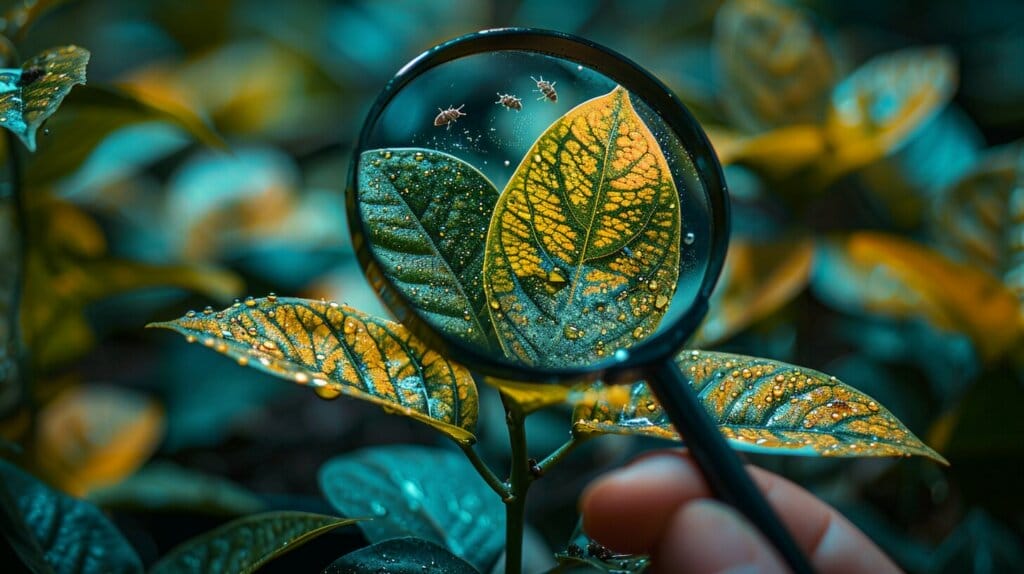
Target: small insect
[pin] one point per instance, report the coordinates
(449, 116)
(509, 101)
(546, 89)
(574, 550)
(30, 75)
(599, 551)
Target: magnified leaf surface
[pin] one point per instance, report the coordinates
(763, 406)
(427, 214)
(339, 350)
(243, 545)
(583, 248)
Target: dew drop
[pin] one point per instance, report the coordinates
(328, 392)
(495, 306)
(272, 297)
(507, 163)
(418, 156)
(536, 157)
(243, 361)
(621, 355)
(572, 332)
(301, 378)
(661, 302)
(873, 406)
(689, 238)
(638, 332)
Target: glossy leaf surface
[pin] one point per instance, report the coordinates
(763, 406)
(427, 214)
(243, 545)
(875, 109)
(401, 556)
(776, 66)
(164, 487)
(884, 274)
(74, 536)
(95, 435)
(583, 249)
(758, 279)
(428, 493)
(339, 350)
(31, 95)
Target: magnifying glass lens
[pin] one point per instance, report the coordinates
(534, 209)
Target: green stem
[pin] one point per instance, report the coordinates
(15, 347)
(519, 481)
(559, 453)
(499, 487)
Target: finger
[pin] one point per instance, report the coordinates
(631, 510)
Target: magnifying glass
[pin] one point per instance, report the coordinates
(541, 209)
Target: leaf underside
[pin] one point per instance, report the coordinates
(243, 545)
(760, 405)
(339, 350)
(31, 95)
(583, 248)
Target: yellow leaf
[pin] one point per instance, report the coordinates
(760, 405)
(584, 241)
(338, 350)
(758, 279)
(531, 396)
(776, 67)
(92, 436)
(777, 154)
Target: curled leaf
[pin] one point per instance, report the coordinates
(776, 66)
(884, 274)
(427, 214)
(339, 350)
(243, 545)
(757, 280)
(92, 436)
(32, 94)
(583, 249)
(875, 109)
(763, 406)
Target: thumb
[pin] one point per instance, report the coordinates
(707, 536)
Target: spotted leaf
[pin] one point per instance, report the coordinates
(583, 248)
(875, 109)
(763, 406)
(776, 67)
(427, 214)
(883, 274)
(244, 545)
(339, 350)
(32, 94)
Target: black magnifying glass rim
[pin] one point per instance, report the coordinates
(665, 342)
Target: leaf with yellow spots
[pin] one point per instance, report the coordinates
(32, 94)
(760, 406)
(339, 350)
(427, 214)
(582, 253)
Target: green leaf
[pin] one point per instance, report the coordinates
(980, 218)
(167, 487)
(427, 214)
(401, 556)
(17, 535)
(339, 350)
(584, 551)
(32, 94)
(583, 248)
(74, 536)
(242, 546)
(775, 65)
(423, 492)
(91, 113)
(761, 406)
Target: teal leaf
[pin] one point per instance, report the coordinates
(242, 546)
(18, 536)
(401, 556)
(32, 94)
(74, 536)
(427, 214)
(416, 491)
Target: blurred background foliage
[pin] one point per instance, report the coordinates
(873, 156)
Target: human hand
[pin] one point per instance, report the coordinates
(659, 505)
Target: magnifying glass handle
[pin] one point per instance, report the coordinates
(721, 466)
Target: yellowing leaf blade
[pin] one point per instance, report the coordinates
(760, 405)
(583, 248)
(339, 350)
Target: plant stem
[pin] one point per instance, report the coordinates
(18, 373)
(559, 453)
(519, 481)
(499, 487)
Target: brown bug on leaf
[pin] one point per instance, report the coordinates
(546, 89)
(30, 75)
(509, 101)
(449, 116)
